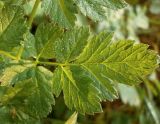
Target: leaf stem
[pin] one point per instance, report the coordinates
(8, 55)
(20, 52)
(33, 13)
(56, 64)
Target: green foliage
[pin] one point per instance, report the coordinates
(95, 8)
(37, 65)
(45, 37)
(11, 18)
(89, 77)
(31, 95)
(63, 12)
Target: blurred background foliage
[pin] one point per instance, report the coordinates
(140, 21)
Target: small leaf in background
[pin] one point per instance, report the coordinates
(153, 110)
(155, 6)
(139, 16)
(72, 119)
(1, 5)
(129, 95)
(95, 9)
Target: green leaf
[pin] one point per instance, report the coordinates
(58, 81)
(29, 46)
(78, 90)
(45, 38)
(3, 64)
(15, 95)
(42, 44)
(12, 27)
(13, 101)
(39, 103)
(14, 2)
(63, 12)
(5, 115)
(9, 72)
(68, 51)
(126, 61)
(60, 11)
(95, 8)
(90, 75)
(33, 98)
(114, 4)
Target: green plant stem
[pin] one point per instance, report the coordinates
(33, 13)
(20, 52)
(56, 64)
(8, 55)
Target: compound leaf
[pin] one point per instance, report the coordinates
(91, 75)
